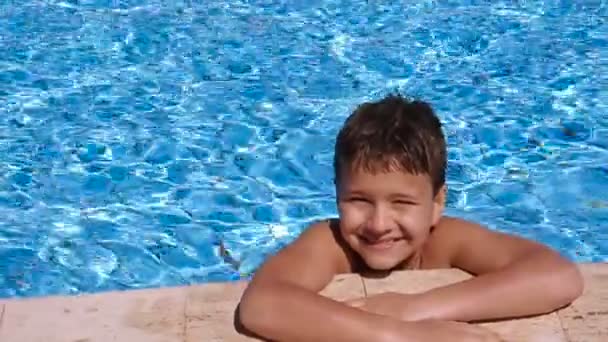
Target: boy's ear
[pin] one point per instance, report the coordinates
(439, 204)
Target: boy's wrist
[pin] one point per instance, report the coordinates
(396, 331)
(445, 303)
(419, 307)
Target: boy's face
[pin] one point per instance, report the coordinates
(387, 217)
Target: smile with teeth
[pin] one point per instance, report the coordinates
(380, 244)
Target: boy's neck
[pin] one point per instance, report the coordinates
(414, 262)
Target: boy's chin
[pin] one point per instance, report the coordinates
(377, 264)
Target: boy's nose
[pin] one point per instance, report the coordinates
(379, 223)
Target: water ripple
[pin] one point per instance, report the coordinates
(137, 137)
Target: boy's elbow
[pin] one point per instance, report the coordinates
(251, 313)
(572, 284)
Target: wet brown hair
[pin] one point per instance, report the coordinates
(393, 134)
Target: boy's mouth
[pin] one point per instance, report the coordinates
(380, 244)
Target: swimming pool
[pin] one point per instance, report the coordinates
(137, 135)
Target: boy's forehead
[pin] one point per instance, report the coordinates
(379, 169)
(392, 181)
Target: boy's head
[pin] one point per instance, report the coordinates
(389, 163)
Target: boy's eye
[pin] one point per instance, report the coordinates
(405, 202)
(357, 199)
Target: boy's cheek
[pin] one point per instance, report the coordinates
(351, 217)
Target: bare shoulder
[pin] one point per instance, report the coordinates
(442, 242)
(451, 229)
(310, 261)
(474, 247)
(454, 225)
(447, 238)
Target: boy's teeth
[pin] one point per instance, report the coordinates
(380, 242)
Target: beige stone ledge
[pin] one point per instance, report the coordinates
(586, 320)
(206, 312)
(546, 328)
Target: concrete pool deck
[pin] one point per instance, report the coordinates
(205, 313)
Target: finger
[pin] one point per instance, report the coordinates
(356, 302)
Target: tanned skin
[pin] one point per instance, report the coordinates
(391, 221)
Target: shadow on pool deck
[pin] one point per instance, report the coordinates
(207, 312)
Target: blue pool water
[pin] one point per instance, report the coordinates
(137, 135)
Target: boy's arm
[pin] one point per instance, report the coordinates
(515, 277)
(282, 301)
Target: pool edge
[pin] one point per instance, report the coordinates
(206, 312)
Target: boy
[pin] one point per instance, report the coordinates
(390, 161)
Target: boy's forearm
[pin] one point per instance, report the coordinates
(288, 313)
(523, 289)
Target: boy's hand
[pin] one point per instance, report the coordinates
(404, 307)
(432, 331)
(411, 307)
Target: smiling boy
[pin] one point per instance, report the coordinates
(390, 161)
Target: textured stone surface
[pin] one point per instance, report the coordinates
(586, 320)
(546, 328)
(207, 312)
(210, 312)
(2, 308)
(413, 281)
(345, 287)
(149, 315)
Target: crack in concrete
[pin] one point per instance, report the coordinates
(185, 316)
(564, 331)
(364, 288)
(2, 310)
